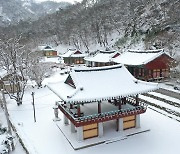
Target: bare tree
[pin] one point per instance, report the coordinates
(13, 59)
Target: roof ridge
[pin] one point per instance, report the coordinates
(146, 51)
(107, 52)
(97, 68)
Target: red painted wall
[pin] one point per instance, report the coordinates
(161, 62)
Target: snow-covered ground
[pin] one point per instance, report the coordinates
(18, 148)
(44, 137)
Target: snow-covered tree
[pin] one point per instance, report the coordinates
(38, 71)
(5, 140)
(14, 59)
(175, 71)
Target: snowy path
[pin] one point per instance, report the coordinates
(165, 97)
(169, 92)
(160, 103)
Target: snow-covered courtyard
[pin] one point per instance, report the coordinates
(161, 133)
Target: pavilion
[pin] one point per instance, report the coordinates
(92, 96)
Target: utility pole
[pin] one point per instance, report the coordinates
(33, 106)
(7, 117)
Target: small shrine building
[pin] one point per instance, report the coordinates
(73, 56)
(101, 58)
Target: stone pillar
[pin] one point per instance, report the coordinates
(79, 133)
(73, 130)
(66, 122)
(138, 121)
(56, 112)
(120, 124)
(100, 129)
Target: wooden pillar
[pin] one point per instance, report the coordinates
(78, 110)
(119, 104)
(146, 74)
(115, 102)
(137, 100)
(117, 125)
(123, 100)
(99, 107)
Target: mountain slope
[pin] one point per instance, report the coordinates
(153, 23)
(12, 11)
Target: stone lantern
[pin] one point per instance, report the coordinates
(55, 107)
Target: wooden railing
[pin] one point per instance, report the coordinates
(106, 116)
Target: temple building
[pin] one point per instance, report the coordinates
(47, 50)
(146, 65)
(101, 58)
(90, 97)
(73, 56)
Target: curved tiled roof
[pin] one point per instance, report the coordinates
(102, 56)
(96, 84)
(138, 57)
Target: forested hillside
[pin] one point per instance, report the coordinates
(155, 23)
(14, 11)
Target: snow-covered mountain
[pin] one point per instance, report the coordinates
(13, 11)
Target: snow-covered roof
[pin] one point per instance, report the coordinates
(96, 84)
(73, 53)
(102, 56)
(45, 48)
(138, 57)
